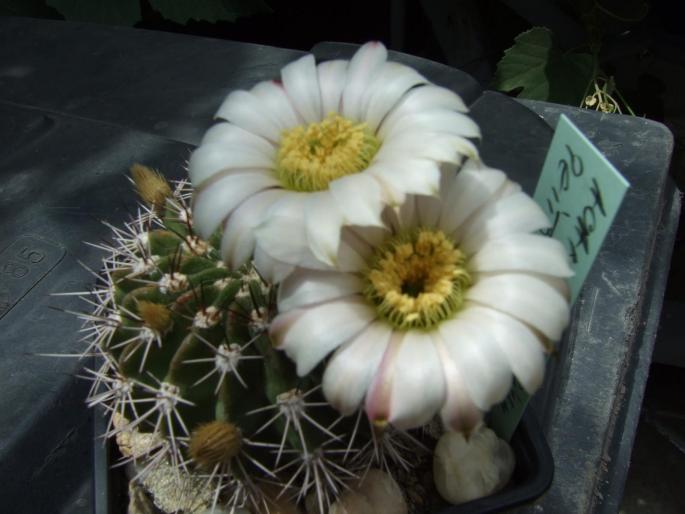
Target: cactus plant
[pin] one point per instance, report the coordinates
(185, 360)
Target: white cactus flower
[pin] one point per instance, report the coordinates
(327, 146)
(437, 309)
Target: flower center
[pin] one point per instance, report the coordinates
(417, 279)
(310, 157)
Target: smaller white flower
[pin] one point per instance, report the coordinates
(437, 309)
(329, 145)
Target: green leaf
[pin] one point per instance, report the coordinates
(112, 12)
(182, 11)
(542, 70)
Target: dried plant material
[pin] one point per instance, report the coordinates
(151, 186)
(155, 316)
(215, 444)
(382, 493)
(138, 501)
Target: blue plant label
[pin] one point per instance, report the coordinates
(581, 192)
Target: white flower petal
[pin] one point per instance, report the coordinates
(426, 98)
(238, 239)
(276, 101)
(515, 213)
(407, 216)
(301, 82)
(247, 111)
(352, 253)
(229, 134)
(472, 187)
(210, 159)
(559, 284)
(305, 287)
(522, 348)
(323, 221)
(360, 73)
(482, 364)
(509, 188)
(438, 146)
(353, 366)
(458, 413)
(449, 122)
(418, 385)
(273, 270)
(372, 236)
(332, 76)
(218, 196)
(526, 298)
(400, 177)
(390, 83)
(283, 236)
(360, 199)
(428, 209)
(308, 335)
(523, 252)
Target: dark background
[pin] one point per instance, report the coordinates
(642, 47)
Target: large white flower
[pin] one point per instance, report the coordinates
(327, 146)
(439, 307)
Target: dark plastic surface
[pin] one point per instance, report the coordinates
(79, 103)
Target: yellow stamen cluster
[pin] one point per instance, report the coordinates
(310, 157)
(417, 279)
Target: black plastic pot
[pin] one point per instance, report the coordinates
(532, 475)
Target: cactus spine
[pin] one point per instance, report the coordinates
(185, 358)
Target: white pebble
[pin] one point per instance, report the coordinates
(467, 469)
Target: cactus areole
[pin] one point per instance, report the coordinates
(187, 364)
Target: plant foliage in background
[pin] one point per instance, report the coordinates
(116, 12)
(542, 70)
(538, 68)
(129, 12)
(183, 11)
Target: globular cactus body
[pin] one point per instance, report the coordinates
(186, 358)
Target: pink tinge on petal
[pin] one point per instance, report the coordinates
(458, 413)
(351, 369)
(379, 396)
(418, 386)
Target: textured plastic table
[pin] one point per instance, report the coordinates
(79, 103)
